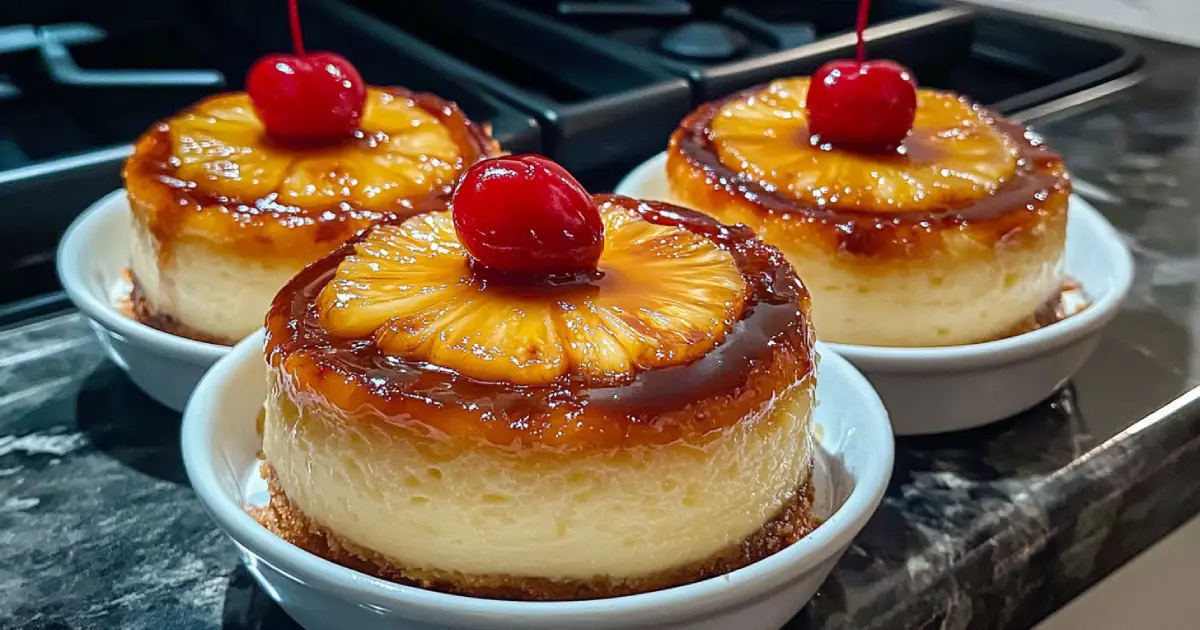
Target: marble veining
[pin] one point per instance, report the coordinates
(991, 528)
(97, 525)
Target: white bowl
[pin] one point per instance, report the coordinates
(219, 451)
(936, 390)
(92, 258)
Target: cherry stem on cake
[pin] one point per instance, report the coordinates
(860, 27)
(525, 218)
(306, 98)
(298, 34)
(859, 104)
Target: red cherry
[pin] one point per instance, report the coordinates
(870, 104)
(307, 98)
(524, 214)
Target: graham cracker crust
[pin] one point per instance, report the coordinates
(284, 519)
(142, 311)
(1052, 311)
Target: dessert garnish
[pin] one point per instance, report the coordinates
(306, 97)
(526, 215)
(870, 105)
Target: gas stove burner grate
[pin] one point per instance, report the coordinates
(53, 43)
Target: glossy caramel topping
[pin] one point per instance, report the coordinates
(220, 147)
(952, 156)
(765, 349)
(661, 296)
(1016, 209)
(212, 171)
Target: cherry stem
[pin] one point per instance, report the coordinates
(298, 38)
(864, 8)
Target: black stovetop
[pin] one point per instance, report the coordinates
(598, 85)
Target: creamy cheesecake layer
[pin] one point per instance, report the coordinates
(966, 293)
(938, 302)
(453, 505)
(203, 288)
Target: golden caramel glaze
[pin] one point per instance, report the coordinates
(766, 353)
(212, 174)
(965, 179)
(286, 520)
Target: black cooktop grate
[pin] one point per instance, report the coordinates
(598, 85)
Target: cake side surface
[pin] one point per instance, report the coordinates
(284, 519)
(444, 504)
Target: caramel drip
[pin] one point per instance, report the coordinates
(773, 317)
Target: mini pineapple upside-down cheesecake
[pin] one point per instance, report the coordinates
(915, 217)
(235, 195)
(541, 396)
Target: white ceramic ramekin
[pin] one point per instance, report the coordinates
(936, 390)
(219, 451)
(92, 258)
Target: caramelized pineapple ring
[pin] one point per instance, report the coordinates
(402, 151)
(211, 176)
(664, 296)
(952, 157)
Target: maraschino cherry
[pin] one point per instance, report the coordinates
(524, 215)
(864, 104)
(306, 98)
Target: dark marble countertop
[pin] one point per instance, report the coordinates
(991, 528)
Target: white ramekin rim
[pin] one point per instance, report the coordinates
(77, 273)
